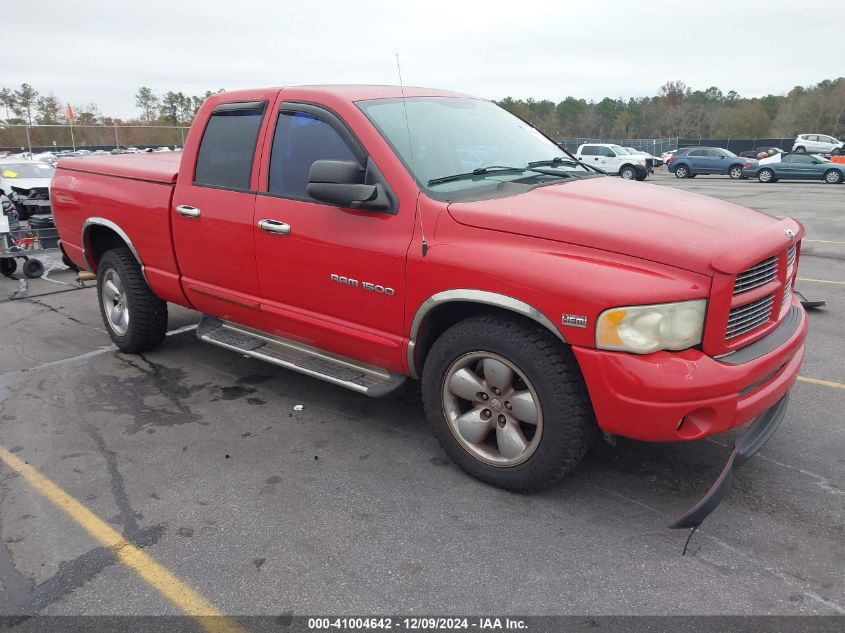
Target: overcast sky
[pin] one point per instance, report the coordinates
(103, 50)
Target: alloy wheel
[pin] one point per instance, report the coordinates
(492, 409)
(113, 296)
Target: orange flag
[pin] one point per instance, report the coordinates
(70, 114)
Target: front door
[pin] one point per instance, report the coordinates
(331, 277)
(213, 205)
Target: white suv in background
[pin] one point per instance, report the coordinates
(818, 144)
(614, 159)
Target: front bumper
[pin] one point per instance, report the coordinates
(672, 396)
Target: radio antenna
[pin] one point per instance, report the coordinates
(411, 150)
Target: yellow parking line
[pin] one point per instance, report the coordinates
(180, 594)
(822, 281)
(824, 383)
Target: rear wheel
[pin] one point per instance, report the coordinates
(681, 171)
(800, 149)
(833, 176)
(766, 175)
(628, 173)
(8, 266)
(135, 318)
(507, 402)
(735, 172)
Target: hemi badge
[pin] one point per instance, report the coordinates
(574, 320)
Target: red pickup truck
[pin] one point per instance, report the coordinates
(365, 234)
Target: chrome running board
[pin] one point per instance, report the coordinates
(345, 372)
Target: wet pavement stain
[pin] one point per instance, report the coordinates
(130, 395)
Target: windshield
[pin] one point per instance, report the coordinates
(444, 136)
(26, 170)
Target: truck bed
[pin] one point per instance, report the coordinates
(160, 167)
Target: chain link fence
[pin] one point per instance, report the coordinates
(654, 146)
(47, 138)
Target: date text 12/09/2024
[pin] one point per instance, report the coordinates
(417, 623)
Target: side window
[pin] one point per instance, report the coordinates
(588, 151)
(606, 151)
(698, 152)
(228, 146)
(715, 153)
(807, 160)
(299, 140)
(788, 159)
(812, 137)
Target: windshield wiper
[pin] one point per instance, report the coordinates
(557, 160)
(497, 169)
(480, 171)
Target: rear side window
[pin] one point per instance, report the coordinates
(300, 139)
(588, 151)
(228, 146)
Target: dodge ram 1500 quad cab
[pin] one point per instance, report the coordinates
(362, 235)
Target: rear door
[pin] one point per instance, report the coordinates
(213, 205)
(698, 161)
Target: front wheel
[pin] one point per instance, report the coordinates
(833, 176)
(135, 318)
(33, 268)
(681, 172)
(735, 172)
(766, 175)
(507, 402)
(628, 173)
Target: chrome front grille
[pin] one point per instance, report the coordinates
(749, 316)
(759, 274)
(787, 292)
(790, 256)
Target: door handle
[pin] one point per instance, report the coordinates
(188, 211)
(274, 226)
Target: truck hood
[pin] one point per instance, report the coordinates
(661, 224)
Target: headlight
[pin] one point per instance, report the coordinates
(646, 329)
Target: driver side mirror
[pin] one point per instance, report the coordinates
(341, 182)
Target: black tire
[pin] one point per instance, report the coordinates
(735, 172)
(642, 175)
(836, 151)
(832, 176)
(766, 176)
(33, 268)
(627, 172)
(800, 149)
(147, 322)
(8, 266)
(568, 425)
(682, 171)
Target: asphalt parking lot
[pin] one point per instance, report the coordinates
(268, 492)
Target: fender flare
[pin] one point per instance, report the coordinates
(471, 295)
(97, 221)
